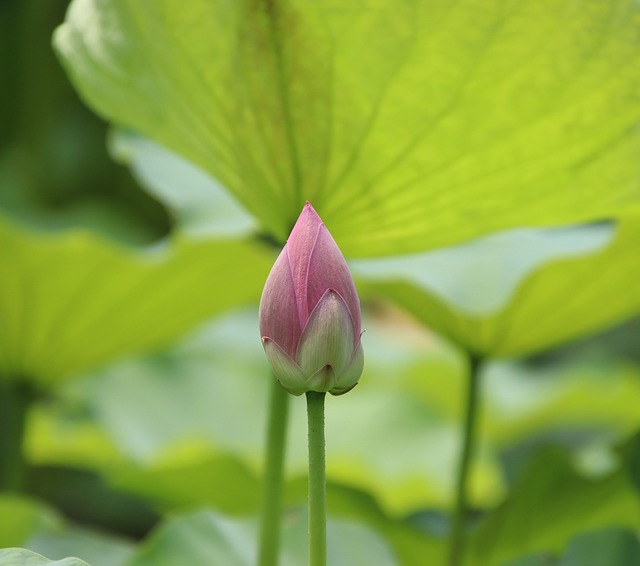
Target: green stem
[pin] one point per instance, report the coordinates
(272, 494)
(15, 400)
(317, 481)
(458, 527)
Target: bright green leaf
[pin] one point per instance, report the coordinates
(518, 292)
(409, 125)
(163, 482)
(23, 557)
(72, 301)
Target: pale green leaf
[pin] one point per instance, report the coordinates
(23, 557)
(38, 528)
(600, 402)
(550, 504)
(381, 438)
(395, 436)
(98, 549)
(409, 125)
(72, 301)
(207, 538)
(518, 292)
(201, 207)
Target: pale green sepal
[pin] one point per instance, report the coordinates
(348, 378)
(328, 337)
(338, 392)
(287, 372)
(321, 381)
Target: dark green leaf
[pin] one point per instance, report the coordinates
(550, 504)
(611, 547)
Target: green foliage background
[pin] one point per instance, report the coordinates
(478, 164)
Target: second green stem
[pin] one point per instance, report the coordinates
(317, 480)
(274, 470)
(458, 527)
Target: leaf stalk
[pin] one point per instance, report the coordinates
(457, 541)
(271, 515)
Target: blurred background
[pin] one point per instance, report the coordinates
(143, 383)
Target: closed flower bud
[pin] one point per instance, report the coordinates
(310, 313)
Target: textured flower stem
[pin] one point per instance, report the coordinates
(458, 527)
(272, 488)
(317, 481)
(15, 399)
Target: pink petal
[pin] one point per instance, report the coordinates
(328, 270)
(278, 308)
(300, 246)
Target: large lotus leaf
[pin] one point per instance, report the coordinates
(207, 538)
(550, 504)
(23, 557)
(409, 125)
(71, 301)
(519, 291)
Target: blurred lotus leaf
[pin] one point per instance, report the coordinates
(207, 538)
(72, 301)
(519, 291)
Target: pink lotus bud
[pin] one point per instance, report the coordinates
(310, 313)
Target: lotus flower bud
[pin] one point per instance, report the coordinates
(310, 313)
